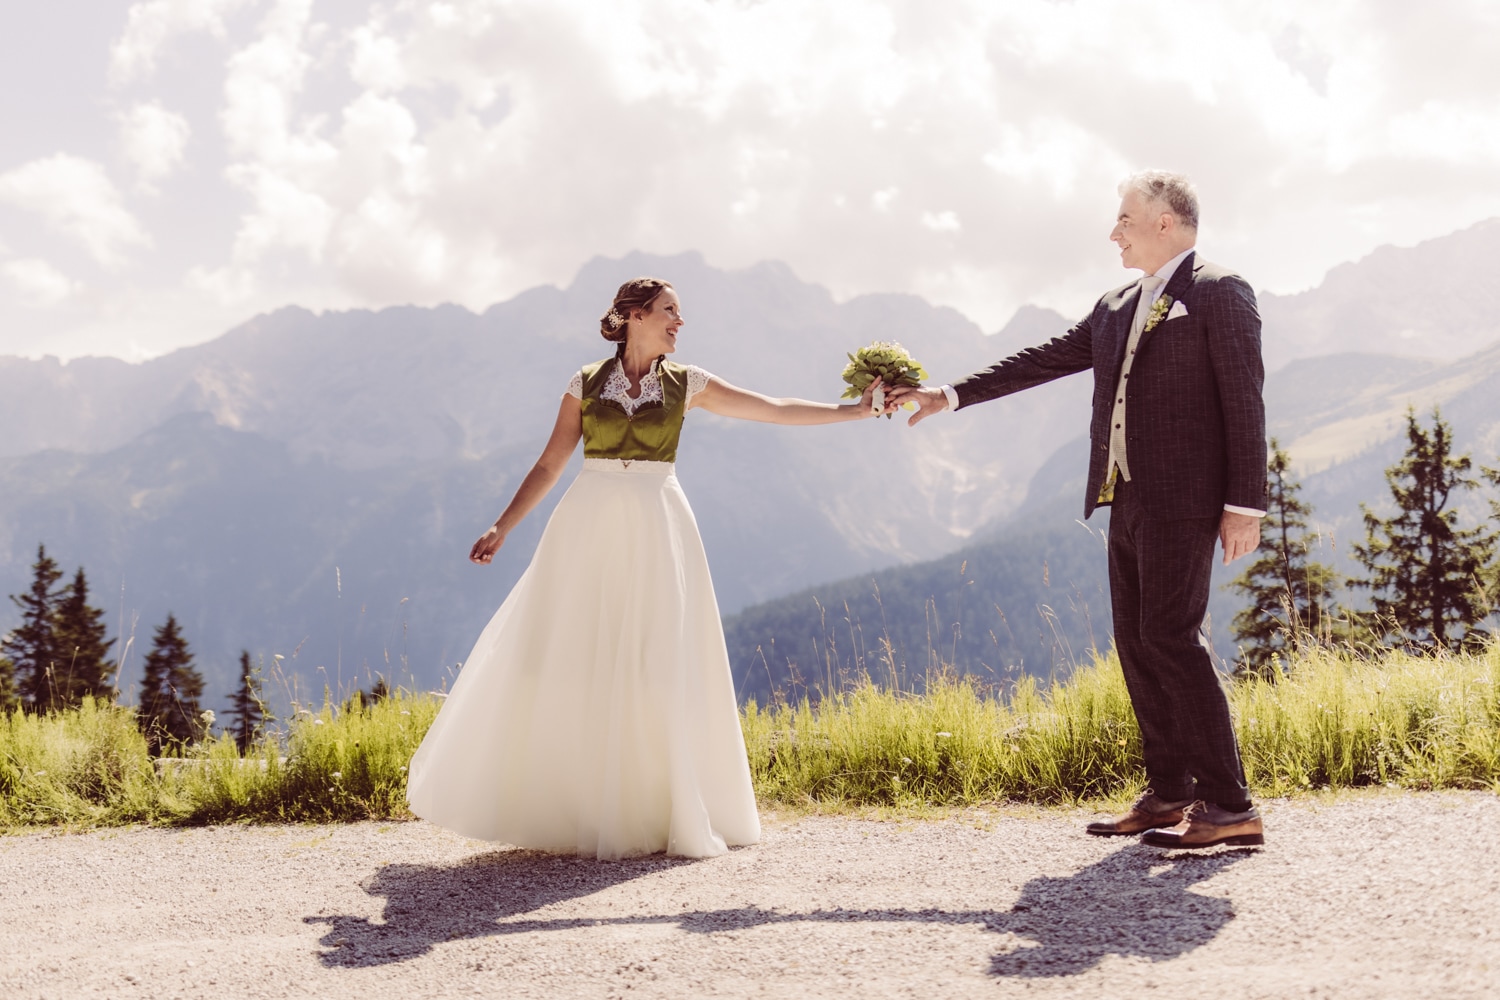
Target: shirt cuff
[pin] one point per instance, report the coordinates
(951, 396)
(1247, 511)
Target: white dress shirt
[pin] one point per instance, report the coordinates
(1165, 273)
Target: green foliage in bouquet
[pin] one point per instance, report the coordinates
(886, 360)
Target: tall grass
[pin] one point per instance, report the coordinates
(89, 766)
(85, 766)
(339, 764)
(1345, 721)
(948, 744)
(1338, 720)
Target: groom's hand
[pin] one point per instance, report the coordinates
(1239, 534)
(928, 401)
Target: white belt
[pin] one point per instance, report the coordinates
(634, 465)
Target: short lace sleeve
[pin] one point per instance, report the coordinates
(697, 381)
(575, 385)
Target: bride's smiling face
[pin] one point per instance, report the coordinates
(654, 331)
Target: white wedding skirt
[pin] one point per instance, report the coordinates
(596, 713)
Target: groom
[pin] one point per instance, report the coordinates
(1179, 453)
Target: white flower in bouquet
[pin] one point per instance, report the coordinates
(885, 360)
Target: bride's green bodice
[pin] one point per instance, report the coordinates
(650, 435)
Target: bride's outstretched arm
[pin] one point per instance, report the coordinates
(731, 401)
(542, 477)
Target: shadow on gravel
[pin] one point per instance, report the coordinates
(1136, 902)
(428, 904)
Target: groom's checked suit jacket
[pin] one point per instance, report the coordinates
(1195, 430)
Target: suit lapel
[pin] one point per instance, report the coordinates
(1120, 327)
(1109, 341)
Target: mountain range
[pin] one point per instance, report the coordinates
(1029, 592)
(308, 485)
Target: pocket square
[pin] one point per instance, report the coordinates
(1178, 309)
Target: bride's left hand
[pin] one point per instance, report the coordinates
(489, 543)
(867, 401)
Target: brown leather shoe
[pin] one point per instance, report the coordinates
(1206, 825)
(1148, 813)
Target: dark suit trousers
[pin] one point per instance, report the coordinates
(1159, 584)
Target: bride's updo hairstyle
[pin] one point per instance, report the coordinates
(635, 294)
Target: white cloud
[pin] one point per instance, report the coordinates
(262, 84)
(376, 63)
(463, 150)
(942, 222)
(37, 282)
(551, 131)
(279, 163)
(77, 198)
(151, 25)
(1051, 152)
(154, 140)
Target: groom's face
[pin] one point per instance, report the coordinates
(1138, 232)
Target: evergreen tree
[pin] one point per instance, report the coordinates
(1492, 585)
(1290, 594)
(360, 701)
(1424, 572)
(9, 701)
(32, 648)
(245, 708)
(82, 647)
(170, 710)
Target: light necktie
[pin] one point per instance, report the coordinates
(1149, 284)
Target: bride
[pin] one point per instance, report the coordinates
(596, 713)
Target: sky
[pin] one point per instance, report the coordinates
(170, 168)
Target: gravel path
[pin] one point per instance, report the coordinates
(1389, 895)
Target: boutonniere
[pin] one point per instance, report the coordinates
(1158, 312)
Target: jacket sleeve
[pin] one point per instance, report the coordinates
(1234, 350)
(1069, 354)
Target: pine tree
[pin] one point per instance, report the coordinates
(361, 701)
(1424, 572)
(170, 712)
(9, 700)
(32, 648)
(1290, 594)
(82, 647)
(245, 708)
(1492, 585)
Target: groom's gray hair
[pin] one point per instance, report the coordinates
(1173, 190)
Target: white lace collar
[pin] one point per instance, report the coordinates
(619, 392)
(617, 388)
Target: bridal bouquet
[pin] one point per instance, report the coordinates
(889, 362)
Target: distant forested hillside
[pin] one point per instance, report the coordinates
(1030, 600)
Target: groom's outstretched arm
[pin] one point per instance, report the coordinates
(1069, 354)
